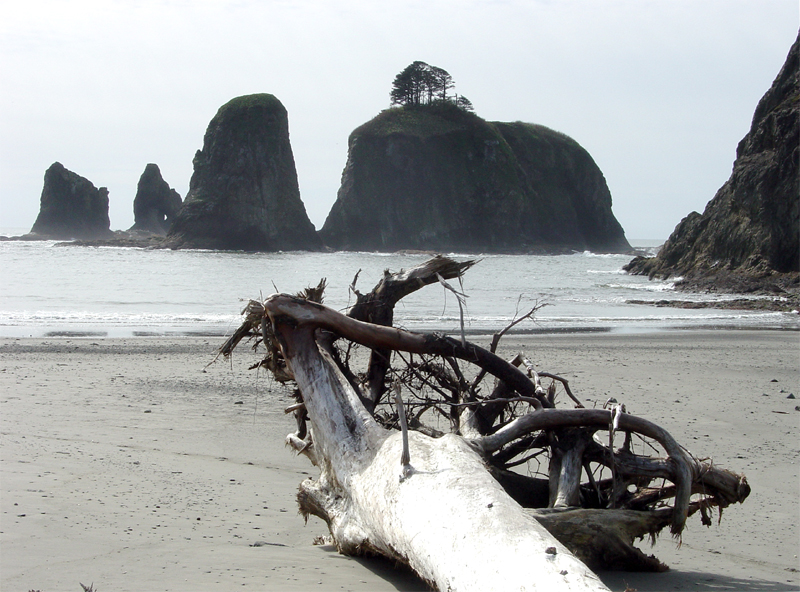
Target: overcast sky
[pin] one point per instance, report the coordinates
(658, 91)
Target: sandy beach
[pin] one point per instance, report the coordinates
(128, 464)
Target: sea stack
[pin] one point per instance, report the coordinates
(156, 204)
(244, 194)
(438, 177)
(71, 207)
(747, 239)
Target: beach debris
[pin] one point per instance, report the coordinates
(499, 471)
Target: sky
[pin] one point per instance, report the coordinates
(659, 92)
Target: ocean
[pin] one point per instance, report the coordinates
(51, 291)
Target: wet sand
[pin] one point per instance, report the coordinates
(126, 465)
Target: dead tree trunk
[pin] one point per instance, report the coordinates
(444, 515)
(449, 505)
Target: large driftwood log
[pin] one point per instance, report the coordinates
(445, 517)
(449, 504)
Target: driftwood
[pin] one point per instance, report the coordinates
(417, 460)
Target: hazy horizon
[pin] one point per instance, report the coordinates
(658, 92)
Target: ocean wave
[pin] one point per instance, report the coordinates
(679, 316)
(604, 255)
(122, 290)
(650, 251)
(651, 286)
(44, 318)
(619, 271)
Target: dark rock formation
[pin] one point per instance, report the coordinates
(244, 193)
(155, 204)
(567, 194)
(747, 237)
(71, 207)
(440, 178)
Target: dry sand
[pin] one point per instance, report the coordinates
(125, 465)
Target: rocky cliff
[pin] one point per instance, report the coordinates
(439, 178)
(156, 204)
(747, 237)
(71, 207)
(243, 194)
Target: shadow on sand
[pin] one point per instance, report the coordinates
(402, 578)
(690, 581)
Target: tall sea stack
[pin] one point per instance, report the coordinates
(156, 204)
(748, 237)
(243, 194)
(71, 207)
(437, 177)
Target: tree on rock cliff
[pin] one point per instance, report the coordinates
(464, 103)
(422, 84)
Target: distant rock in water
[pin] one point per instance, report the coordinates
(156, 204)
(243, 194)
(747, 237)
(437, 177)
(71, 207)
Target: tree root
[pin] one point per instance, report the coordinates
(347, 426)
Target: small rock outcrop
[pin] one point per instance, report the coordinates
(748, 237)
(156, 204)
(244, 194)
(436, 177)
(71, 207)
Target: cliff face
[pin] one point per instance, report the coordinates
(439, 178)
(156, 204)
(567, 195)
(71, 207)
(747, 237)
(244, 193)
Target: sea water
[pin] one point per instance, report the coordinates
(52, 290)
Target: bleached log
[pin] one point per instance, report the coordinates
(445, 517)
(443, 504)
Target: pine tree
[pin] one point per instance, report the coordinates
(420, 84)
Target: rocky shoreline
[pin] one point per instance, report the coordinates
(781, 304)
(747, 240)
(145, 240)
(756, 282)
(118, 238)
